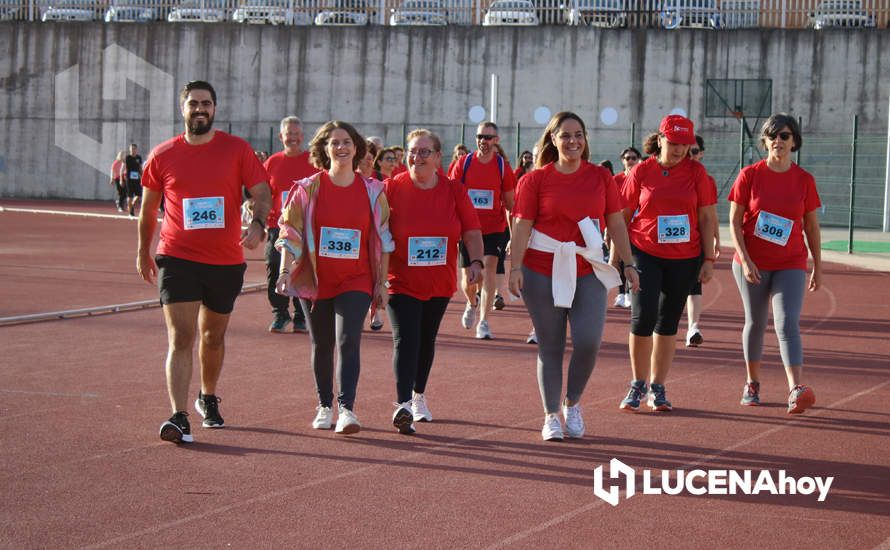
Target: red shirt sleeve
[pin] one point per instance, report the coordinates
(526, 205)
(456, 171)
(741, 189)
(706, 191)
(613, 200)
(630, 193)
(811, 200)
(508, 182)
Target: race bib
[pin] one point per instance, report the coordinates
(340, 243)
(134, 175)
(673, 229)
(427, 251)
(284, 196)
(483, 199)
(204, 213)
(773, 228)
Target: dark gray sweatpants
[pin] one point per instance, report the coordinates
(586, 318)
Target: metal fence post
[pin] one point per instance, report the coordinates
(852, 181)
(800, 127)
(271, 139)
(518, 141)
(741, 142)
(463, 133)
(404, 136)
(633, 134)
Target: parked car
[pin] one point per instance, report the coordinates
(129, 11)
(274, 12)
(739, 14)
(69, 10)
(418, 12)
(344, 12)
(510, 12)
(597, 13)
(11, 10)
(201, 11)
(701, 14)
(840, 13)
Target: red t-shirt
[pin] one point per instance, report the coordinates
(284, 171)
(485, 188)
(399, 169)
(556, 202)
(668, 200)
(788, 195)
(619, 180)
(426, 225)
(202, 188)
(342, 226)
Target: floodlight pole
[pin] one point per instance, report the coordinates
(852, 182)
(494, 98)
(887, 178)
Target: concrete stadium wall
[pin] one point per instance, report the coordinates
(72, 94)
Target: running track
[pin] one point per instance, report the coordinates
(81, 400)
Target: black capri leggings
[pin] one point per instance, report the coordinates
(415, 324)
(665, 285)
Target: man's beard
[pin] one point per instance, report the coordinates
(199, 128)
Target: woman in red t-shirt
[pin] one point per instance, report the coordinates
(558, 265)
(772, 204)
(429, 214)
(337, 242)
(673, 245)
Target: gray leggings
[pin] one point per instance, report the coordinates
(587, 317)
(786, 288)
(337, 322)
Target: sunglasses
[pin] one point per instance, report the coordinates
(784, 136)
(695, 151)
(629, 158)
(422, 153)
(485, 137)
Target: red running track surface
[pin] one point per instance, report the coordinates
(81, 401)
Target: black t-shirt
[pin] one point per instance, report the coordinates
(134, 164)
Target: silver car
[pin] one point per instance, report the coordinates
(418, 12)
(344, 13)
(198, 11)
(69, 10)
(274, 12)
(510, 12)
(598, 13)
(840, 13)
(129, 11)
(702, 14)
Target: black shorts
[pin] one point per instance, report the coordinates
(503, 255)
(215, 286)
(696, 289)
(134, 188)
(492, 245)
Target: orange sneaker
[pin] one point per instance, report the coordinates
(800, 399)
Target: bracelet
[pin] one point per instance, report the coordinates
(259, 223)
(512, 269)
(632, 266)
(711, 260)
(283, 272)
(482, 265)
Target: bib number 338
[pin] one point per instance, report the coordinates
(336, 242)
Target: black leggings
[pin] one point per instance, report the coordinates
(415, 324)
(665, 285)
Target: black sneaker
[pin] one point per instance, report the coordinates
(208, 407)
(177, 429)
(499, 302)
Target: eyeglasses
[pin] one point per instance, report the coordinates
(422, 153)
(784, 136)
(485, 137)
(629, 158)
(694, 151)
(388, 159)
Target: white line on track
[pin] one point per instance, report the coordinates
(67, 213)
(51, 393)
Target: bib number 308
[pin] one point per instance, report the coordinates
(773, 228)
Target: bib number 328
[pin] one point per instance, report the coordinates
(673, 229)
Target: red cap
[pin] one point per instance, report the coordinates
(677, 129)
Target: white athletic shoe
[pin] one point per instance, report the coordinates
(324, 418)
(468, 319)
(419, 409)
(619, 300)
(627, 302)
(552, 430)
(401, 418)
(532, 337)
(482, 331)
(347, 422)
(694, 339)
(574, 421)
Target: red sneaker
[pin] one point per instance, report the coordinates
(800, 399)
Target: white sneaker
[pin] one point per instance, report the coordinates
(694, 339)
(324, 418)
(627, 302)
(469, 317)
(532, 337)
(552, 430)
(347, 422)
(619, 300)
(402, 419)
(574, 421)
(419, 409)
(482, 331)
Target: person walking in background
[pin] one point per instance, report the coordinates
(525, 165)
(459, 150)
(199, 265)
(558, 267)
(429, 213)
(284, 167)
(133, 167)
(117, 180)
(489, 180)
(694, 337)
(335, 245)
(630, 157)
(773, 204)
(673, 245)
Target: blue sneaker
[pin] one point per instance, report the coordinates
(657, 401)
(636, 392)
(751, 394)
